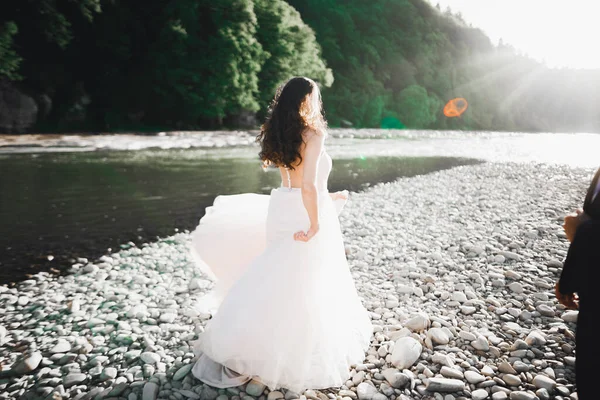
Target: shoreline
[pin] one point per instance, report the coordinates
(32, 143)
(51, 142)
(461, 260)
(577, 150)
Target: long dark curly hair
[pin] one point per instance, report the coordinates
(296, 107)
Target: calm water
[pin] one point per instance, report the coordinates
(77, 196)
(80, 204)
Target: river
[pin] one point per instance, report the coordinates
(64, 197)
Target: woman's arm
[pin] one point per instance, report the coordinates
(310, 195)
(574, 266)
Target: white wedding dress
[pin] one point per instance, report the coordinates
(285, 313)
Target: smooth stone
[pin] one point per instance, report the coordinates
(519, 344)
(468, 310)
(23, 300)
(542, 394)
(168, 318)
(149, 357)
(499, 259)
(418, 323)
(255, 388)
(479, 394)
(444, 385)
(481, 344)
(208, 393)
(118, 389)
(516, 287)
(73, 379)
(513, 326)
(452, 373)
(407, 351)
(442, 359)
(543, 382)
(61, 347)
(520, 395)
(387, 390)
(520, 366)
(132, 354)
(343, 393)
(150, 391)
(512, 275)
(392, 303)
(554, 263)
(182, 372)
(545, 310)
(438, 336)
(510, 255)
(511, 380)
(108, 373)
(28, 363)
(189, 394)
(525, 315)
(396, 379)
(459, 296)
(473, 377)
(506, 368)
(366, 391)
(535, 338)
(358, 378)
(468, 336)
(93, 322)
(570, 316)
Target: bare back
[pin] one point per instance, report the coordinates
(294, 178)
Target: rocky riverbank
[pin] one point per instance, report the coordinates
(456, 269)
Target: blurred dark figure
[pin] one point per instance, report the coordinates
(577, 284)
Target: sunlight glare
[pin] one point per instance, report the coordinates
(559, 33)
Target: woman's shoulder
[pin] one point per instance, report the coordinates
(314, 134)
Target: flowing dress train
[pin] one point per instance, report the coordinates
(286, 313)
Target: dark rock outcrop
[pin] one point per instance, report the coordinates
(18, 111)
(244, 120)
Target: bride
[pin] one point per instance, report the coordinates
(287, 312)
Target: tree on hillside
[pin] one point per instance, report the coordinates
(186, 63)
(41, 31)
(415, 108)
(290, 46)
(211, 68)
(10, 61)
(157, 64)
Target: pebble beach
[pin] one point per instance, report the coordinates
(456, 269)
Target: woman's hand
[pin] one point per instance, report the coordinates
(301, 236)
(572, 222)
(343, 195)
(571, 300)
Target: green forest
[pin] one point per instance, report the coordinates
(116, 65)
